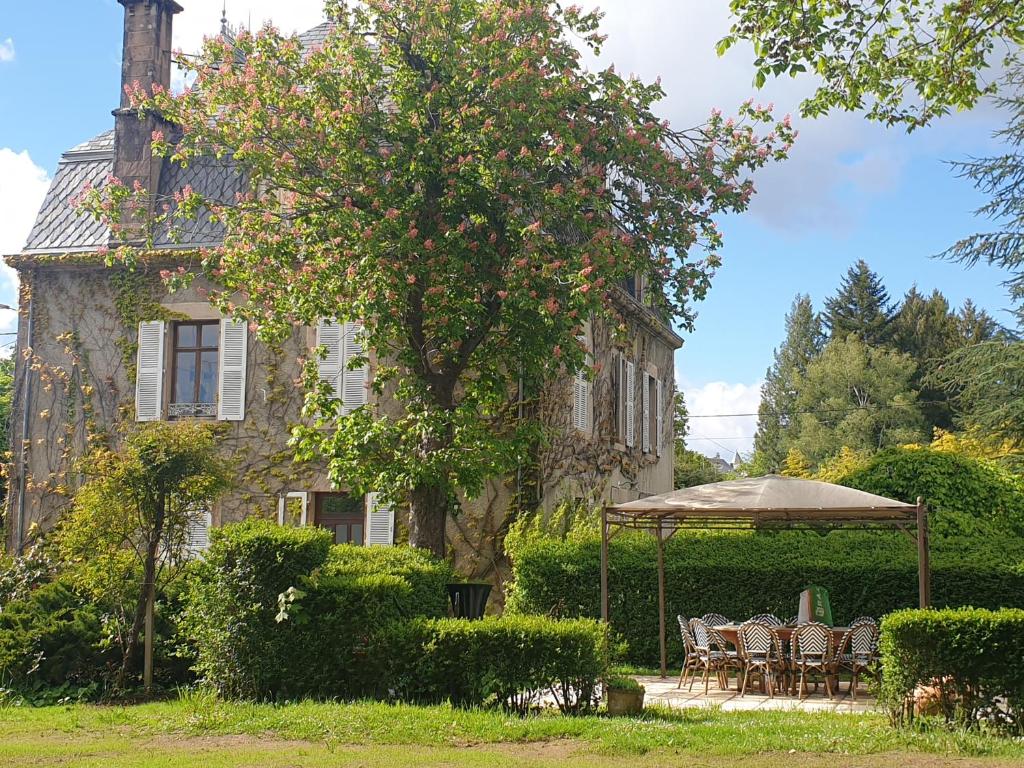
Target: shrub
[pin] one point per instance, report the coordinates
(51, 644)
(508, 662)
(278, 612)
(965, 495)
(971, 657)
(427, 577)
(742, 574)
(232, 602)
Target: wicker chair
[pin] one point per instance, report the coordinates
(863, 620)
(792, 621)
(761, 655)
(692, 661)
(813, 651)
(767, 618)
(858, 652)
(714, 619)
(713, 654)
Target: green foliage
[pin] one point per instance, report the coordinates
(966, 496)
(509, 662)
(6, 394)
(905, 62)
(126, 535)
(623, 683)
(277, 612)
(743, 574)
(52, 644)
(803, 343)
(693, 468)
(970, 657)
(232, 602)
(426, 576)
(861, 308)
(856, 396)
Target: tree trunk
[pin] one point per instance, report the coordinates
(428, 516)
(148, 590)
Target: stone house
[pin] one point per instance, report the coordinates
(99, 348)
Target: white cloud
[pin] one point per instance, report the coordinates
(23, 186)
(7, 50)
(818, 187)
(717, 433)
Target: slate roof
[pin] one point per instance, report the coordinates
(59, 228)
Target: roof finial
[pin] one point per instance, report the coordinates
(224, 19)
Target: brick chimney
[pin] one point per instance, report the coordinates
(146, 59)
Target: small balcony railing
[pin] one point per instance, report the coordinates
(192, 410)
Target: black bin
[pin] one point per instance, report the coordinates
(468, 600)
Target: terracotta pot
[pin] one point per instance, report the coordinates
(625, 702)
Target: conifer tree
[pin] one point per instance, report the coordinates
(803, 343)
(861, 307)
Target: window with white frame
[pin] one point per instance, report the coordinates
(292, 509)
(200, 366)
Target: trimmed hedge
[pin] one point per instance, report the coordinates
(743, 574)
(509, 662)
(972, 658)
(280, 613)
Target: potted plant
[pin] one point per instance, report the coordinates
(625, 695)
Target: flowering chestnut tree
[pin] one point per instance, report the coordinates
(449, 175)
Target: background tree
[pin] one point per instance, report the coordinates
(127, 535)
(861, 307)
(856, 396)
(987, 379)
(927, 331)
(803, 342)
(976, 325)
(448, 175)
(904, 62)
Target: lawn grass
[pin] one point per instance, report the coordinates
(200, 730)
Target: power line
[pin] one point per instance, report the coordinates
(816, 410)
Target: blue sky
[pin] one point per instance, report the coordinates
(851, 190)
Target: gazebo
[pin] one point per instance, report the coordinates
(769, 502)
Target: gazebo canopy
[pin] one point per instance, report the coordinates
(762, 500)
(770, 501)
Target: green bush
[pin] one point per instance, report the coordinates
(508, 662)
(51, 645)
(742, 574)
(965, 495)
(427, 577)
(278, 613)
(973, 658)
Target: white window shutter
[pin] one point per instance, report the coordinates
(353, 391)
(198, 536)
(630, 404)
(149, 371)
(645, 399)
(380, 522)
(580, 400)
(328, 334)
(660, 418)
(234, 340)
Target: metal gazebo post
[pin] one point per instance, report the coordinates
(924, 586)
(661, 600)
(604, 564)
